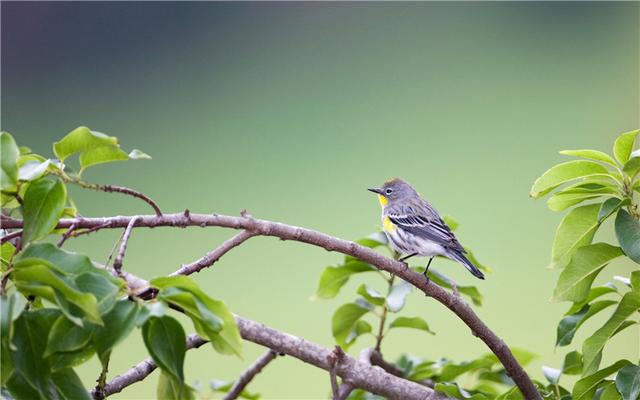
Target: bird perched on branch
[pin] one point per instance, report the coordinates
(414, 227)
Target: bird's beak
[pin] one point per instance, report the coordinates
(375, 190)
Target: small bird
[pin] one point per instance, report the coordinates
(414, 227)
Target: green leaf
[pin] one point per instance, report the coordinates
(414, 322)
(65, 336)
(452, 389)
(610, 206)
(572, 363)
(8, 160)
(398, 295)
(628, 234)
(30, 329)
(628, 382)
(21, 389)
(371, 295)
(552, 375)
(79, 140)
(632, 167)
(563, 173)
(7, 250)
(372, 241)
(118, 323)
(39, 278)
(623, 146)
(440, 279)
(562, 201)
(68, 385)
(170, 388)
(334, 278)
(211, 318)
(225, 386)
(591, 155)
(569, 325)
(451, 222)
(33, 170)
(359, 328)
(136, 154)
(452, 371)
(576, 229)
(609, 392)
(43, 205)
(343, 322)
(100, 155)
(576, 279)
(10, 307)
(166, 342)
(586, 387)
(592, 347)
(635, 281)
(594, 293)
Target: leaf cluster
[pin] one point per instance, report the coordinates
(597, 189)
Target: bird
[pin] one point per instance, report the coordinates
(414, 228)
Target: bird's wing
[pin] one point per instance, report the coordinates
(424, 221)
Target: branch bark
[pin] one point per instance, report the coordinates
(117, 264)
(287, 232)
(10, 236)
(358, 374)
(246, 377)
(139, 372)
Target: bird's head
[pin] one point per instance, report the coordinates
(393, 190)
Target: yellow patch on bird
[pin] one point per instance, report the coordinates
(388, 225)
(383, 200)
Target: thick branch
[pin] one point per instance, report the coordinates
(249, 374)
(358, 374)
(287, 232)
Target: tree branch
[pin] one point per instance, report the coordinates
(286, 232)
(358, 374)
(66, 235)
(210, 258)
(10, 236)
(249, 374)
(117, 264)
(140, 371)
(111, 189)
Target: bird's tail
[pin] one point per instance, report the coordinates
(460, 257)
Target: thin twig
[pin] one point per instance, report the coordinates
(111, 189)
(10, 236)
(287, 232)
(213, 256)
(75, 234)
(131, 192)
(66, 235)
(335, 358)
(249, 374)
(117, 264)
(139, 372)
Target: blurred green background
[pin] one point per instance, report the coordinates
(291, 110)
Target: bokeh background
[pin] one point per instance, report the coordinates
(291, 110)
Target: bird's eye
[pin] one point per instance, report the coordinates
(388, 191)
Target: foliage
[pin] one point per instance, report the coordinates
(370, 315)
(59, 309)
(598, 190)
